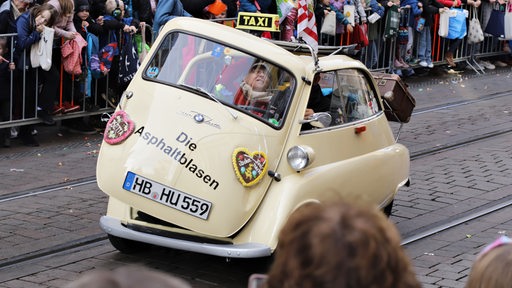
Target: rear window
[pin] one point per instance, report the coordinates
(224, 74)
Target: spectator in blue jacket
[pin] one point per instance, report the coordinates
(165, 11)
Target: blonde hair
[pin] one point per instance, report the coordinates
(128, 277)
(492, 269)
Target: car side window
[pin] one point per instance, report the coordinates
(352, 97)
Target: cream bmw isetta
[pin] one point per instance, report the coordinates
(215, 142)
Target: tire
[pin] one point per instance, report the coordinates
(388, 209)
(127, 246)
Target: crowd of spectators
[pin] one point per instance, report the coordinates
(61, 91)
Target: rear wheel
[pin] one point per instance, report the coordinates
(127, 246)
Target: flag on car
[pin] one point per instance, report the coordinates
(283, 8)
(306, 24)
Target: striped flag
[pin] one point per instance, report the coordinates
(306, 24)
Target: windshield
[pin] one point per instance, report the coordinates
(234, 78)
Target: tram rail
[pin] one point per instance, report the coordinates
(409, 238)
(100, 238)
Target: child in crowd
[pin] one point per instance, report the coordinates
(492, 266)
(85, 24)
(114, 25)
(6, 67)
(216, 10)
(414, 9)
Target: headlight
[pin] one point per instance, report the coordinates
(299, 157)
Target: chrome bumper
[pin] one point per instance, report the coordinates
(113, 226)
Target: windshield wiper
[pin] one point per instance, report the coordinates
(210, 95)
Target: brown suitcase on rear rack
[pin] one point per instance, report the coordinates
(399, 104)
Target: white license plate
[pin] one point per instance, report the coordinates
(166, 195)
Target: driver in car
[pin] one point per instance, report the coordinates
(254, 88)
(317, 102)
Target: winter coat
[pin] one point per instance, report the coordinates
(430, 8)
(7, 21)
(142, 11)
(165, 11)
(413, 11)
(196, 7)
(93, 27)
(27, 35)
(64, 24)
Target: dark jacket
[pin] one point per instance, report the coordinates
(430, 8)
(27, 35)
(142, 11)
(114, 26)
(93, 27)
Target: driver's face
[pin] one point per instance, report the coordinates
(258, 79)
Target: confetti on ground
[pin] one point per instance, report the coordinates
(468, 235)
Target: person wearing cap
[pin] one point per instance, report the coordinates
(253, 89)
(216, 10)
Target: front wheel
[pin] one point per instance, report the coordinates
(388, 209)
(127, 246)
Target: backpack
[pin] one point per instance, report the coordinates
(128, 60)
(93, 60)
(107, 53)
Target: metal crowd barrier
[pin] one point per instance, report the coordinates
(492, 46)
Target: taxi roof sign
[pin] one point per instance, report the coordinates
(258, 21)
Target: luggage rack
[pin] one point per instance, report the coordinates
(303, 48)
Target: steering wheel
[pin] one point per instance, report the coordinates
(253, 109)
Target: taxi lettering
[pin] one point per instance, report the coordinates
(258, 21)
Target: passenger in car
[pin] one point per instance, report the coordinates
(367, 250)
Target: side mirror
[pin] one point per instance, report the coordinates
(318, 120)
